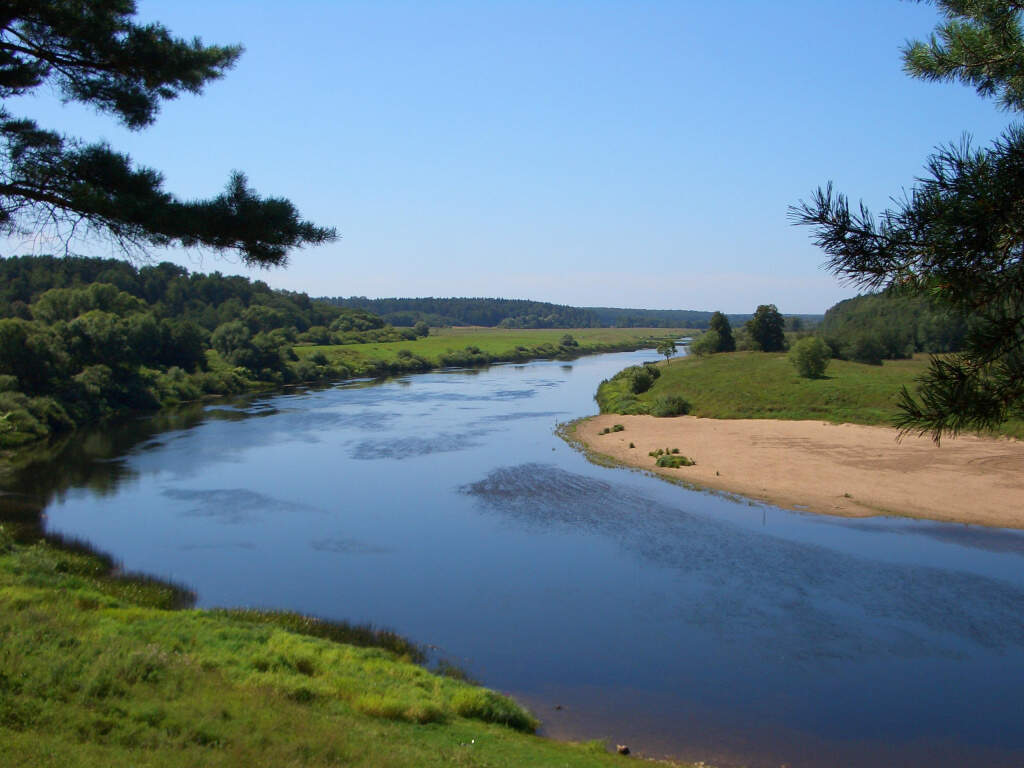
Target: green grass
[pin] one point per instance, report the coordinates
(95, 671)
(757, 385)
(447, 346)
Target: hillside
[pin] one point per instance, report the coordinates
(521, 313)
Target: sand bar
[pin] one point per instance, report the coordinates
(839, 469)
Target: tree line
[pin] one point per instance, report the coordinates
(865, 329)
(523, 313)
(84, 338)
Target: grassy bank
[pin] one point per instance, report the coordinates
(480, 346)
(100, 669)
(758, 385)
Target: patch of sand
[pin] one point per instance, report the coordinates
(839, 469)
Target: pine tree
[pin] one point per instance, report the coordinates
(93, 53)
(958, 237)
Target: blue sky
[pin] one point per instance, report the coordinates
(590, 153)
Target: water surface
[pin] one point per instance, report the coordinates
(683, 623)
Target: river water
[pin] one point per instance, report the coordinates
(614, 604)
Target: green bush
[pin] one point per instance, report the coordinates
(810, 357)
(865, 349)
(675, 460)
(669, 405)
(640, 381)
(705, 344)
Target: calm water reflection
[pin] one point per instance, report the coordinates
(682, 623)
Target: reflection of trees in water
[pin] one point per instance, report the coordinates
(784, 599)
(91, 459)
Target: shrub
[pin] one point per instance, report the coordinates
(675, 460)
(866, 349)
(669, 405)
(705, 344)
(810, 357)
(640, 380)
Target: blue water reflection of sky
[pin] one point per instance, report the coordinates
(444, 506)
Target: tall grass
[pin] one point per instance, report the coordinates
(91, 677)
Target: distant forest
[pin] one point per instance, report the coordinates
(880, 326)
(522, 313)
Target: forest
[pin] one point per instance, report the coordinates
(521, 313)
(81, 338)
(884, 326)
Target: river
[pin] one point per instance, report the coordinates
(614, 604)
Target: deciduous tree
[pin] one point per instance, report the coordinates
(767, 328)
(666, 348)
(719, 323)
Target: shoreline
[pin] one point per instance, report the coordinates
(847, 470)
(369, 370)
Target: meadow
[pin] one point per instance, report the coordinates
(759, 385)
(98, 668)
(469, 346)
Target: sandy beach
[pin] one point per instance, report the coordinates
(839, 469)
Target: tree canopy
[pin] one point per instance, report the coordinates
(95, 54)
(767, 328)
(719, 323)
(666, 347)
(957, 237)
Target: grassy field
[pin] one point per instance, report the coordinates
(479, 346)
(757, 385)
(98, 670)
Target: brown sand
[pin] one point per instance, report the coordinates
(839, 469)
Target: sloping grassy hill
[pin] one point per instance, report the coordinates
(759, 385)
(97, 670)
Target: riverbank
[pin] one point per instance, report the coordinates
(840, 469)
(474, 347)
(98, 668)
(31, 420)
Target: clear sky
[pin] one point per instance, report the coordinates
(590, 153)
